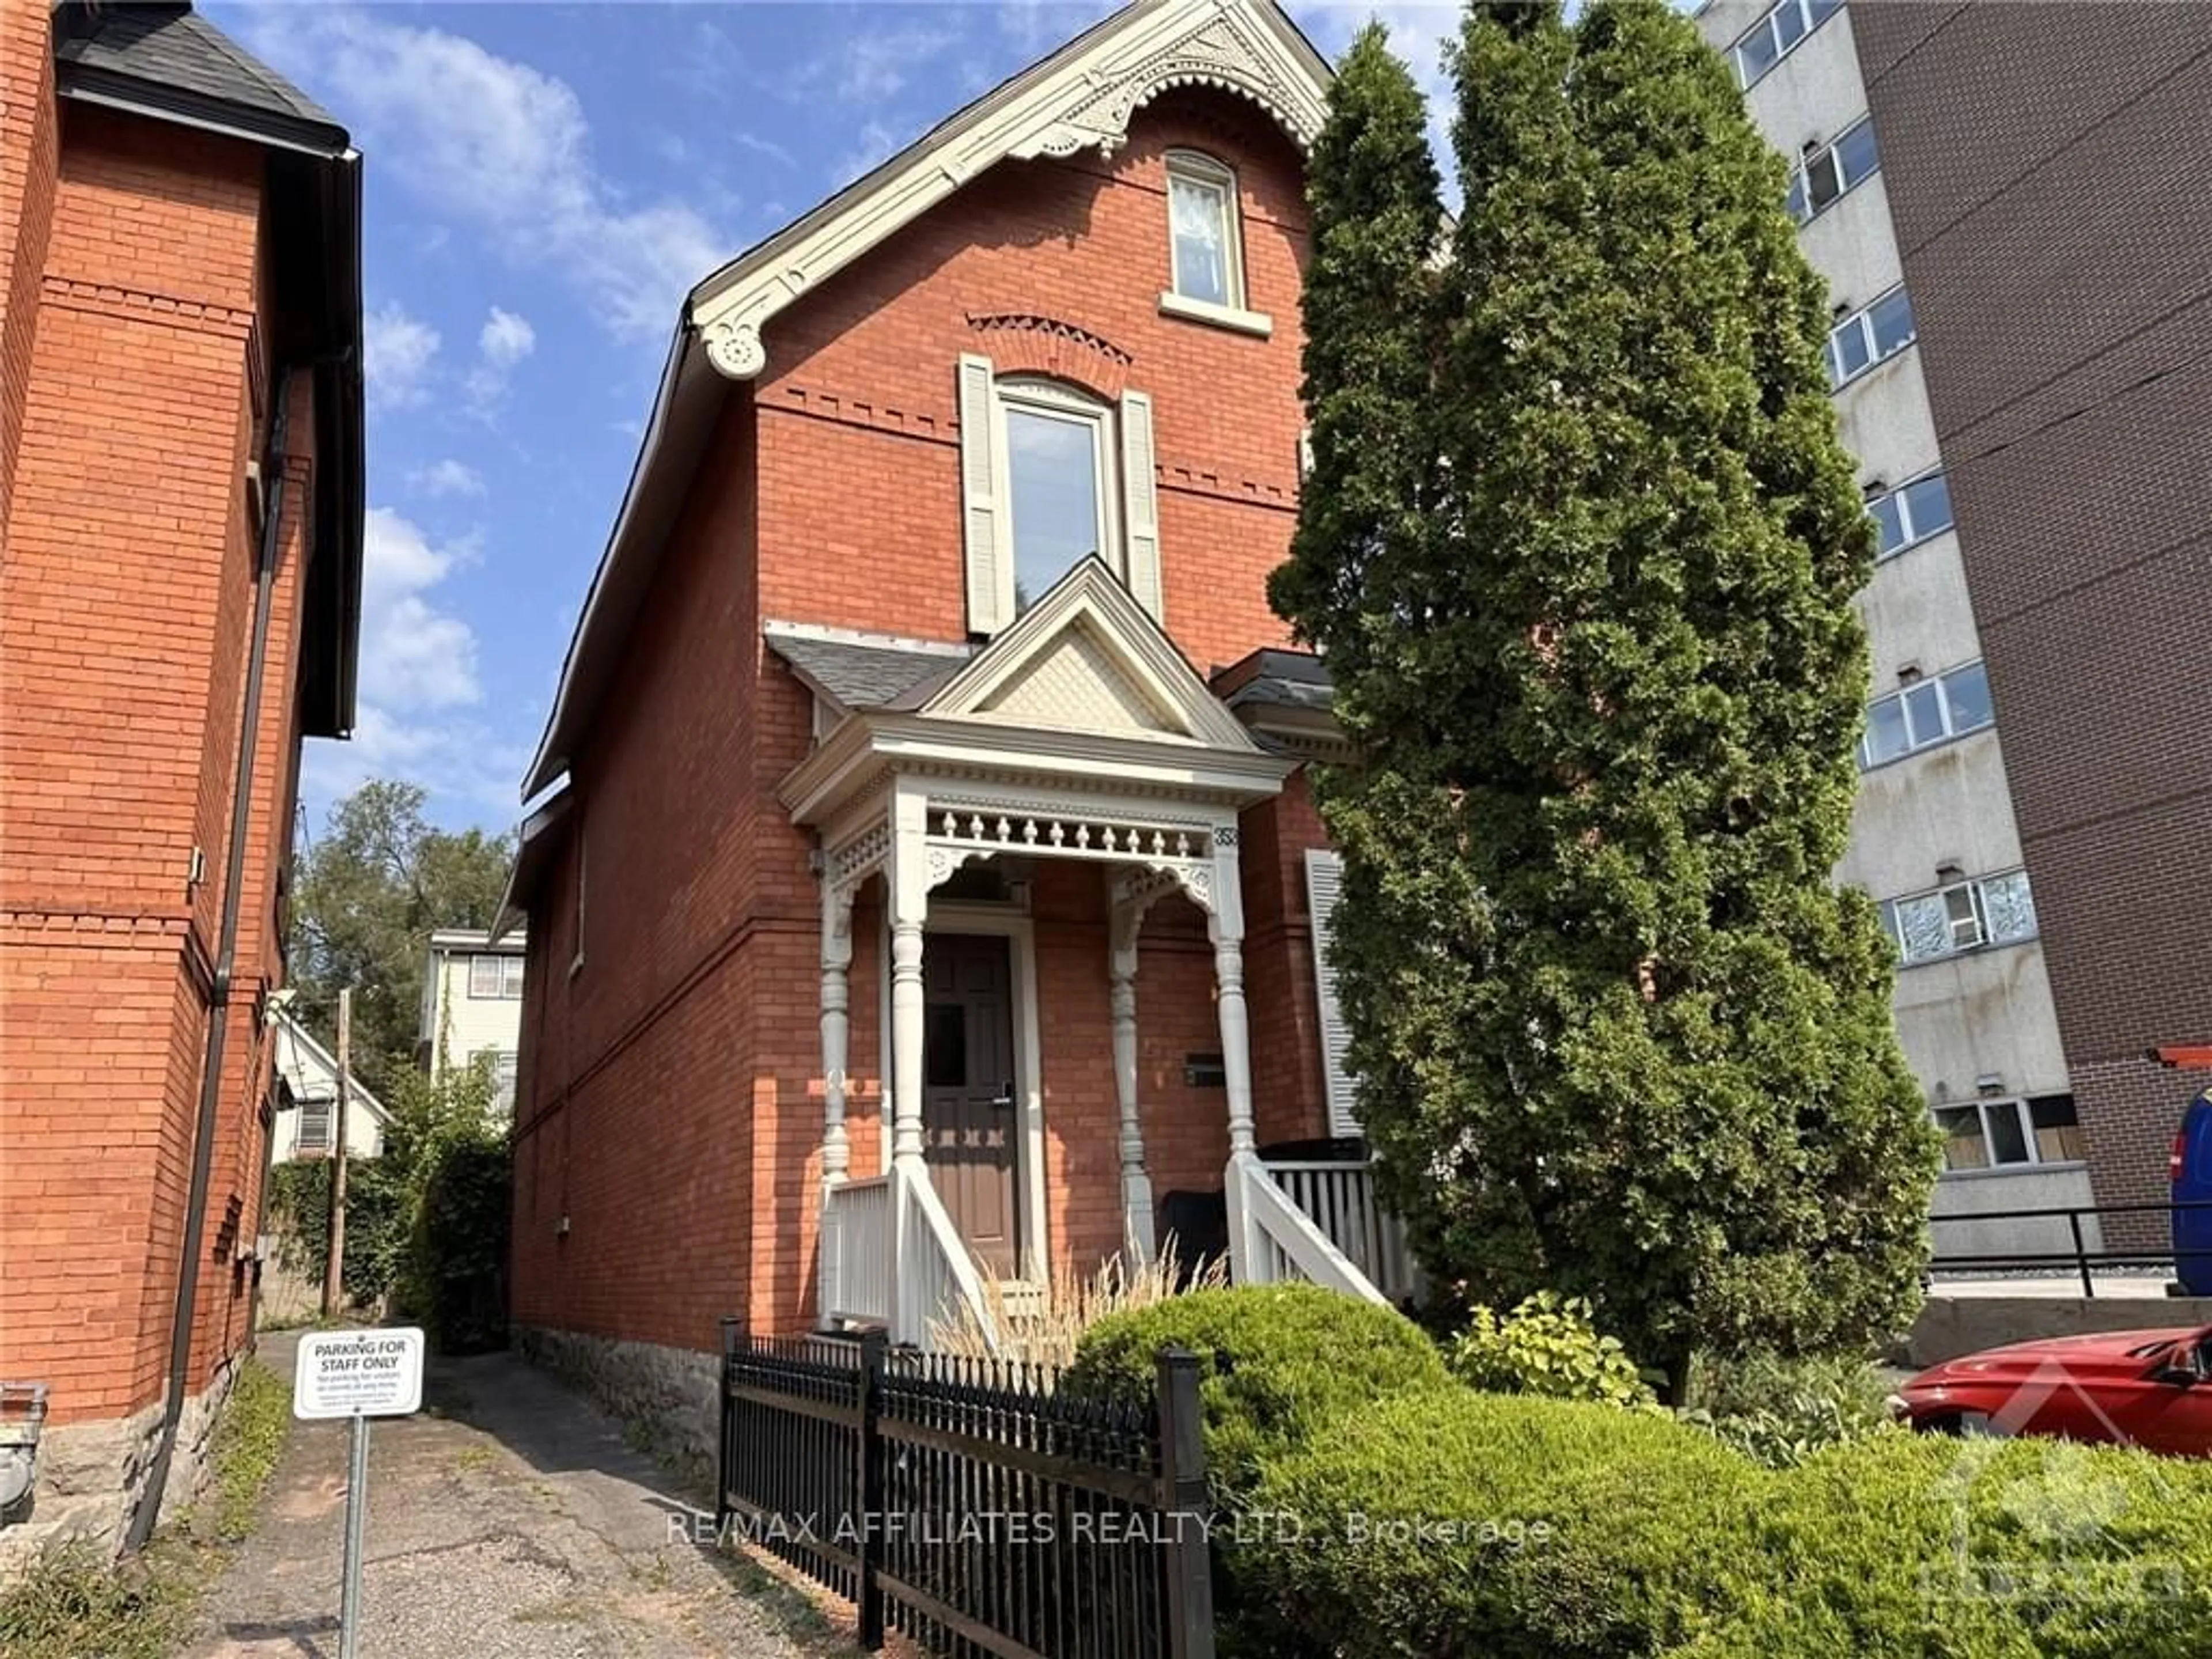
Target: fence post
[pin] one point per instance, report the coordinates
(1188, 1567)
(2082, 1254)
(731, 1335)
(868, 1491)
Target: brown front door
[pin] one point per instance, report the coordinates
(968, 1116)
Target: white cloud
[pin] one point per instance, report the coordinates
(504, 149)
(413, 656)
(397, 351)
(869, 66)
(447, 477)
(506, 339)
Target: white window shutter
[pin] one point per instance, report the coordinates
(982, 509)
(1141, 503)
(1324, 881)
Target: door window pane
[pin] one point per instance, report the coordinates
(2058, 1138)
(1923, 712)
(2008, 1143)
(945, 1046)
(1967, 692)
(2010, 908)
(1053, 464)
(1964, 1146)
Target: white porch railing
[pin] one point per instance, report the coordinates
(856, 1251)
(1339, 1200)
(1271, 1240)
(891, 1256)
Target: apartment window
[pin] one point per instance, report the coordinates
(1870, 336)
(1989, 1134)
(1962, 916)
(1827, 172)
(503, 1062)
(493, 977)
(1204, 255)
(314, 1126)
(1769, 39)
(1926, 712)
(1911, 513)
(1059, 458)
(1049, 475)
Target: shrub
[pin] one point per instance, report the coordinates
(1049, 1331)
(1981, 1549)
(1454, 1523)
(1277, 1364)
(1779, 1411)
(1550, 1347)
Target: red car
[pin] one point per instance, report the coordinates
(2147, 1388)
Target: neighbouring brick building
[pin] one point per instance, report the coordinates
(2011, 204)
(917, 883)
(181, 545)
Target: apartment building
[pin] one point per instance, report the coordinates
(2009, 206)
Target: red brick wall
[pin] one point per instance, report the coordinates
(673, 1088)
(125, 612)
(30, 147)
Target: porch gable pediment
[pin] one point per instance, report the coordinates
(1086, 658)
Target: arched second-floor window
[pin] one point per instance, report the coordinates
(1204, 243)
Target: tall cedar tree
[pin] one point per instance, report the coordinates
(1579, 545)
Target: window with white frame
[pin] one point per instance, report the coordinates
(1206, 255)
(1771, 39)
(1926, 712)
(493, 977)
(1965, 915)
(1871, 335)
(1050, 474)
(1989, 1134)
(503, 1062)
(1060, 472)
(1828, 171)
(314, 1126)
(1911, 513)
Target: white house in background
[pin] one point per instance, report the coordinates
(307, 1101)
(472, 1004)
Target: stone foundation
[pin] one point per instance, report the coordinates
(92, 1477)
(672, 1393)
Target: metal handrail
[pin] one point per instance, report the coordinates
(2080, 1258)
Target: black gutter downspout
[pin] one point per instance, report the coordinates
(188, 1266)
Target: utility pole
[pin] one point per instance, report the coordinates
(334, 1268)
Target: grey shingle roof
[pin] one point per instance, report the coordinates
(171, 47)
(865, 673)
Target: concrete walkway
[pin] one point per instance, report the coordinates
(508, 1519)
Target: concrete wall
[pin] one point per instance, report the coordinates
(1984, 1191)
(1950, 1325)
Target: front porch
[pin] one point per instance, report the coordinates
(1043, 848)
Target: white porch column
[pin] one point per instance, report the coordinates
(1226, 922)
(1128, 920)
(909, 880)
(836, 999)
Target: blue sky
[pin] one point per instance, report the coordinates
(544, 184)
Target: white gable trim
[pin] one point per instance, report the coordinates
(1080, 97)
(1091, 593)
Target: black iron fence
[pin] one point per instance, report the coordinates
(968, 1504)
(2080, 1251)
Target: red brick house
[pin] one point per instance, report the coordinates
(926, 888)
(181, 548)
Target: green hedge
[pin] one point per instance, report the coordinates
(1454, 1523)
(1277, 1364)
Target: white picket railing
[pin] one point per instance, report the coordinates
(891, 1256)
(1339, 1200)
(856, 1251)
(1271, 1240)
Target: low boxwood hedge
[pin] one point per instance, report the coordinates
(1277, 1364)
(1455, 1523)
